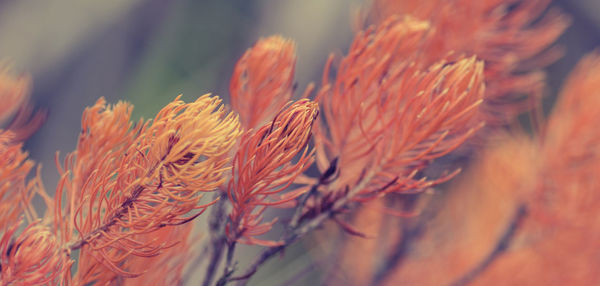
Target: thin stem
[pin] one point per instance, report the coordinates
(228, 265)
(217, 233)
(324, 179)
(123, 210)
(300, 231)
(298, 212)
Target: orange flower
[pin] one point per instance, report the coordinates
(105, 131)
(263, 168)
(478, 208)
(571, 149)
(262, 80)
(511, 37)
(387, 117)
(558, 242)
(15, 192)
(155, 181)
(14, 92)
(14, 95)
(33, 258)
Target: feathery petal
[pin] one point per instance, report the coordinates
(167, 268)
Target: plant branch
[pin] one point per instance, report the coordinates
(301, 230)
(217, 235)
(229, 268)
(123, 210)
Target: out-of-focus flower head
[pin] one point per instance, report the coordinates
(16, 191)
(262, 80)
(571, 149)
(35, 257)
(15, 110)
(478, 208)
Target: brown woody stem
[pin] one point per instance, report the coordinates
(123, 210)
(218, 240)
(300, 231)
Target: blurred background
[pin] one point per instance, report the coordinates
(149, 51)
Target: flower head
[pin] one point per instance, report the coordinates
(15, 191)
(33, 257)
(571, 149)
(387, 116)
(149, 177)
(14, 94)
(262, 80)
(514, 38)
(263, 168)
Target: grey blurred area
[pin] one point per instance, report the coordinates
(582, 37)
(149, 51)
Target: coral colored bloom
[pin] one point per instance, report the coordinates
(387, 117)
(144, 181)
(571, 148)
(14, 95)
(262, 80)
(15, 190)
(35, 257)
(263, 168)
(514, 38)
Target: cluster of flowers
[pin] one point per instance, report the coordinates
(421, 80)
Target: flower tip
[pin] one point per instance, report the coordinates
(276, 43)
(262, 80)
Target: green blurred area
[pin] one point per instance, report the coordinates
(189, 54)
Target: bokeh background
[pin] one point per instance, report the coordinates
(149, 51)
